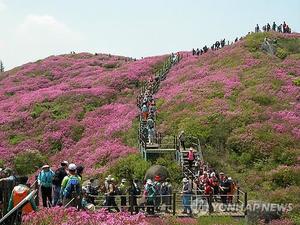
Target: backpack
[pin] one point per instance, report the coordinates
(72, 188)
(150, 124)
(137, 191)
(56, 179)
(165, 189)
(157, 187)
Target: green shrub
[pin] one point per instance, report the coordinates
(111, 65)
(59, 109)
(291, 46)
(55, 145)
(28, 162)
(281, 53)
(253, 42)
(77, 132)
(283, 156)
(132, 166)
(297, 81)
(263, 100)
(15, 139)
(285, 177)
(2, 163)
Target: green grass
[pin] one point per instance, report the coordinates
(291, 46)
(263, 99)
(77, 132)
(55, 146)
(15, 139)
(297, 81)
(253, 42)
(57, 109)
(229, 61)
(219, 220)
(61, 108)
(110, 66)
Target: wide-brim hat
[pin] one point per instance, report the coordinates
(64, 162)
(184, 180)
(45, 166)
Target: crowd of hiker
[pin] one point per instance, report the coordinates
(64, 187)
(281, 28)
(216, 46)
(146, 102)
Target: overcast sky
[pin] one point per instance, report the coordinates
(34, 29)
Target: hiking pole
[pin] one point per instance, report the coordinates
(69, 202)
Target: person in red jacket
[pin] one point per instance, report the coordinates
(208, 191)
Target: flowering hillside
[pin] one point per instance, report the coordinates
(71, 106)
(244, 106)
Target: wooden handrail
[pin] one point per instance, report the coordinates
(19, 206)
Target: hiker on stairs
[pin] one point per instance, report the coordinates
(166, 191)
(208, 191)
(144, 111)
(214, 183)
(123, 188)
(186, 196)
(150, 193)
(181, 139)
(151, 130)
(191, 158)
(157, 186)
(224, 188)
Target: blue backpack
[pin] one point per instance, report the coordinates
(72, 188)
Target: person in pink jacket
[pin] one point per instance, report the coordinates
(191, 157)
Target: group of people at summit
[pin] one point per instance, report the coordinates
(281, 28)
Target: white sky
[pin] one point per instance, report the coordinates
(34, 29)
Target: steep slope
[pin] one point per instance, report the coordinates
(244, 106)
(71, 107)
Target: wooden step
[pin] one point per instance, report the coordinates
(160, 150)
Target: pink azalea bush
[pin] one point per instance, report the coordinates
(70, 216)
(71, 107)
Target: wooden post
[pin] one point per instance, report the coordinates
(174, 203)
(238, 195)
(245, 202)
(131, 204)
